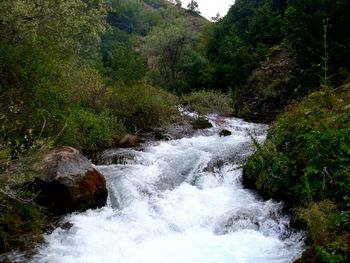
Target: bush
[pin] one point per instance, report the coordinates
(141, 106)
(88, 130)
(205, 102)
(307, 151)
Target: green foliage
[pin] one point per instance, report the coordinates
(195, 73)
(121, 62)
(89, 130)
(317, 219)
(309, 144)
(330, 245)
(18, 218)
(63, 26)
(265, 26)
(5, 155)
(240, 41)
(29, 88)
(325, 79)
(236, 61)
(19, 215)
(335, 251)
(315, 32)
(48, 91)
(141, 106)
(168, 45)
(304, 30)
(305, 161)
(205, 102)
(157, 3)
(65, 79)
(131, 16)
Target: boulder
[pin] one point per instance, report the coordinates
(225, 132)
(69, 182)
(201, 123)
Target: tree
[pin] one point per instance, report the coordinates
(193, 7)
(178, 3)
(168, 44)
(43, 48)
(216, 18)
(235, 61)
(304, 32)
(265, 26)
(65, 26)
(122, 63)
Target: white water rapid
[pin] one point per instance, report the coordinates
(179, 201)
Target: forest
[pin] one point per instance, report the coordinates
(83, 73)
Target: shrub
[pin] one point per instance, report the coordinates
(205, 102)
(317, 218)
(140, 105)
(88, 130)
(307, 151)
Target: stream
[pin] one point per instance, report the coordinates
(179, 201)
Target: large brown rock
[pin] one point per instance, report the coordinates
(69, 182)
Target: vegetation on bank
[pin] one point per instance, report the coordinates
(305, 162)
(22, 221)
(71, 73)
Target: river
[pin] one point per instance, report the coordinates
(179, 201)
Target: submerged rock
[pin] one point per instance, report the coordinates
(225, 132)
(69, 182)
(201, 123)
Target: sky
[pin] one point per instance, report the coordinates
(210, 8)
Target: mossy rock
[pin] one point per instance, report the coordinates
(201, 123)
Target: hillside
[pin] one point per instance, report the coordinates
(314, 34)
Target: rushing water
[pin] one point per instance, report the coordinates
(179, 201)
